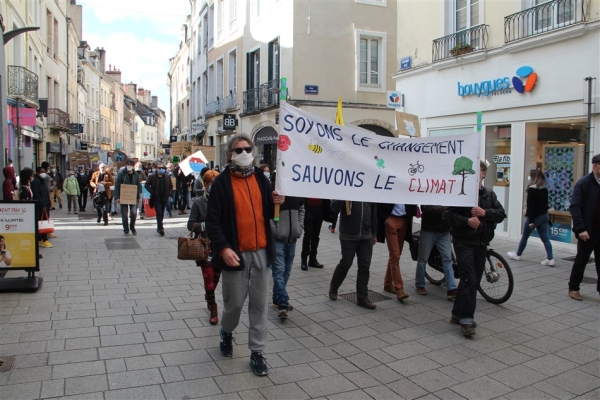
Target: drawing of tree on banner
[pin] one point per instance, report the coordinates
(463, 166)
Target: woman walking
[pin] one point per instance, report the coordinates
(536, 217)
(210, 274)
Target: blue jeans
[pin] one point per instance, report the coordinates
(443, 243)
(170, 201)
(281, 270)
(160, 207)
(132, 216)
(541, 224)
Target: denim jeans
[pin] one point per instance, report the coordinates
(171, 201)
(541, 224)
(132, 216)
(443, 243)
(160, 207)
(281, 270)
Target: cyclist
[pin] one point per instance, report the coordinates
(472, 230)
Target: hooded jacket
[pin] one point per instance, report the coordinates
(291, 220)
(71, 186)
(361, 224)
(8, 186)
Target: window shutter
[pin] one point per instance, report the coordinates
(249, 69)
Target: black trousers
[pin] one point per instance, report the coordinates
(313, 219)
(471, 263)
(103, 211)
(363, 249)
(83, 196)
(584, 251)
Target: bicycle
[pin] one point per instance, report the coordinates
(414, 168)
(497, 281)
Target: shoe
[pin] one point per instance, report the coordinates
(455, 320)
(331, 229)
(60, 206)
(303, 266)
(226, 344)
(184, 212)
(75, 213)
(52, 236)
(289, 306)
(575, 295)
(547, 262)
(401, 295)
(113, 213)
(161, 232)
(282, 312)
(467, 330)
(315, 264)
(126, 233)
(214, 314)
(389, 289)
(52, 208)
(99, 219)
(366, 303)
(451, 294)
(110, 218)
(333, 294)
(133, 231)
(46, 244)
(513, 255)
(258, 364)
(421, 291)
(180, 212)
(105, 223)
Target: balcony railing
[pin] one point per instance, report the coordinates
(231, 102)
(543, 18)
(23, 85)
(461, 42)
(251, 104)
(263, 97)
(105, 140)
(58, 119)
(213, 108)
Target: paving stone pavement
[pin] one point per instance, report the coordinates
(133, 324)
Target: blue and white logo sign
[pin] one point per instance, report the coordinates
(394, 100)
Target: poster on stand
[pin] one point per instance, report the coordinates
(18, 232)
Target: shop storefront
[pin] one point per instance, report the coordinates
(529, 107)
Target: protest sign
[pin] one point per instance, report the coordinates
(128, 194)
(329, 161)
(193, 163)
(177, 148)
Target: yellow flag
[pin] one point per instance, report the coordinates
(338, 115)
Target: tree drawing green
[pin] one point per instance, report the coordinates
(463, 166)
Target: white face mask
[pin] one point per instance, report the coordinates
(242, 160)
(43, 175)
(129, 168)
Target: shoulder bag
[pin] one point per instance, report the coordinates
(197, 249)
(45, 226)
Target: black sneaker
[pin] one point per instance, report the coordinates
(226, 344)
(126, 233)
(303, 266)
(60, 206)
(315, 264)
(99, 219)
(133, 231)
(161, 232)
(258, 364)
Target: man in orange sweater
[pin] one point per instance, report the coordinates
(240, 207)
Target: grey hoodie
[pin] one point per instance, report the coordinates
(291, 220)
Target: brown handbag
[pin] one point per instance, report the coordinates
(197, 249)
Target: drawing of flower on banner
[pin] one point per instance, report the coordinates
(283, 144)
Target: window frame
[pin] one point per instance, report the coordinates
(381, 37)
(480, 5)
(232, 85)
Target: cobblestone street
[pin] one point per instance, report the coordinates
(132, 323)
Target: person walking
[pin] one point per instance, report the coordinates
(104, 178)
(9, 185)
(183, 185)
(313, 219)
(395, 227)
(71, 189)
(358, 235)
(56, 193)
(435, 232)
(585, 212)
(240, 206)
(196, 223)
(128, 177)
(84, 183)
(159, 185)
(472, 231)
(286, 232)
(536, 217)
(40, 193)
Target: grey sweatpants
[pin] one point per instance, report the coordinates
(252, 282)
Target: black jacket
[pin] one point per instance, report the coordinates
(583, 204)
(152, 185)
(40, 192)
(197, 215)
(361, 224)
(537, 202)
(431, 219)
(221, 223)
(84, 182)
(482, 236)
(384, 211)
(58, 179)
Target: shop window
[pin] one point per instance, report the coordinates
(497, 155)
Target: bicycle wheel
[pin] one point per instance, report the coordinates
(434, 270)
(497, 283)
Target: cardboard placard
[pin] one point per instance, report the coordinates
(174, 182)
(128, 194)
(187, 148)
(408, 124)
(177, 148)
(208, 151)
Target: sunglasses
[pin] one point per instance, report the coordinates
(239, 150)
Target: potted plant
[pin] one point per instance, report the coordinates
(461, 48)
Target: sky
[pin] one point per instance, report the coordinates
(139, 36)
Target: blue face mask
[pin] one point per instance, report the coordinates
(268, 175)
(81, 174)
(161, 170)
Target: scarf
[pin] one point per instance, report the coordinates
(245, 172)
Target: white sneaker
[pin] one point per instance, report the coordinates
(549, 263)
(513, 255)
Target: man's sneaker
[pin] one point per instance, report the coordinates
(283, 312)
(226, 344)
(315, 264)
(513, 255)
(46, 243)
(547, 262)
(455, 320)
(99, 219)
(258, 364)
(126, 233)
(161, 232)
(303, 266)
(289, 306)
(60, 206)
(467, 330)
(133, 231)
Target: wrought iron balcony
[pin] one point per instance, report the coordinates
(461, 42)
(251, 104)
(543, 18)
(213, 108)
(58, 119)
(231, 102)
(269, 94)
(105, 140)
(23, 85)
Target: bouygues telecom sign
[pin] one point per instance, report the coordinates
(524, 81)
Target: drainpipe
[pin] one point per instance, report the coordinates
(588, 136)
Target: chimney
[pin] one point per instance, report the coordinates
(154, 103)
(102, 57)
(131, 90)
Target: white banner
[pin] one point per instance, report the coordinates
(317, 158)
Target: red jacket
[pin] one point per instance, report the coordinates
(10, 182)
